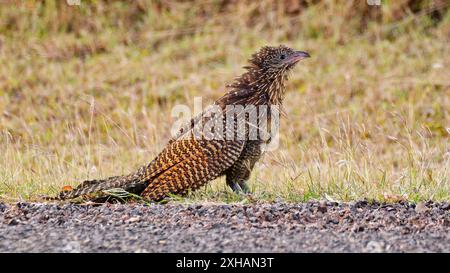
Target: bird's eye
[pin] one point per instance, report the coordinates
(283, 56)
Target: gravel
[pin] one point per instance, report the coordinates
(266, 227)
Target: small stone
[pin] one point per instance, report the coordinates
(13, 222)
(322, 207)
(134, 219)
(357, 229)
(361, 204)
(421, 207)
(375, 247)
(72, 247)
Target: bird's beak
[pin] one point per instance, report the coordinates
(297, 56)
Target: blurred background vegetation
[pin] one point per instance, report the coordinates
(86, 91)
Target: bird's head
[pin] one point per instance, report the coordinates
(265, 76)
(269, 69)
(276, 60)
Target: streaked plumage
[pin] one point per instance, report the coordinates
(189, 161)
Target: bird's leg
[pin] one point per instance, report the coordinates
(244, 187)
(238, 187)
(239, 173)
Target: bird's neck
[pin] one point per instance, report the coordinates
(272, 86)
(260, 87)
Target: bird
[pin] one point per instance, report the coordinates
(191, 159)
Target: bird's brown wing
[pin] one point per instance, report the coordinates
(190, 160)
(188, 164)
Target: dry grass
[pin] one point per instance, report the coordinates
(87, 91)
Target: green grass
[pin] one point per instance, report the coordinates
(86, 92)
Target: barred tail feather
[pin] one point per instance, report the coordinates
(130, 183)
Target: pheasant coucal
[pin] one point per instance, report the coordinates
(190, 160)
